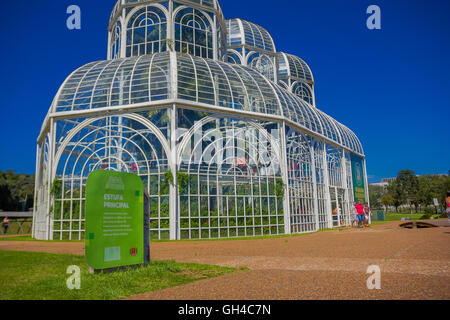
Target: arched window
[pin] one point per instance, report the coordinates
(193, 33)
(116, 39)
(147, 32)
(303, 91)
(263, 64)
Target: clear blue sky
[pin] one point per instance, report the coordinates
(390, 86)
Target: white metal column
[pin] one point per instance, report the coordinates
(49, 235)
(315, 193)
(327, 185)
(345, 185)
(366, 187)
(284, 172)
(36, 179)
(173, 203)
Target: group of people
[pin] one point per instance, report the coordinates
(361, 215)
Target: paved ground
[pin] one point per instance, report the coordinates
(415, 264)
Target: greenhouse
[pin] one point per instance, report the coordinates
(221, 127)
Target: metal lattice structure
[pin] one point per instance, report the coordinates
(210, 116)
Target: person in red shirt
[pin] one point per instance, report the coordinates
(360, 210)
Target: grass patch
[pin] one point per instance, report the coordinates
(42, 276)
(27, 238)
(413, 216)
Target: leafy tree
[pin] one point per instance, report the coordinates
(376, 194)
(397, 194)
(407, 187)
(387, 200)
(16, 191)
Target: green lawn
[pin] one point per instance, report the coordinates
(399, 216)
(42, 276)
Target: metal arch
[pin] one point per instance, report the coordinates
(150, 126)
(304, 105)
(142, 6)
(272, 86)
(87, 147)
(241, 27)
(75, 94)
(284, 56)
(119, 67)
(55, 101)
(236, 53)
(194, 66)
(216, 96)
(94, 87)
(199, 124)
(334, 122)
(241, 81)
(150, 68)
(211, 22)
(228, 81)
(234, 147)
(257, 86)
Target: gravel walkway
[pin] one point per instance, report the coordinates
(415, 264)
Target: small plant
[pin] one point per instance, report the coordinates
(183, 181)
(279, 188)
(56, 188)
(168, 177)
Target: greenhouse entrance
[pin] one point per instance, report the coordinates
(339, 205)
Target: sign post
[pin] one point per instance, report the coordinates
(116, 236)
(358, 178)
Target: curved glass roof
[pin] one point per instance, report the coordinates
(294, 67)
(242, 32)
(144, 79)
(206, 3)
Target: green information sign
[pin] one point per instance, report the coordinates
(114, 220)
(358, 178)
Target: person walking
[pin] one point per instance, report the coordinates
(5, 225)
(360, 210)
(367, 214)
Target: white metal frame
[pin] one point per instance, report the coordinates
(125, 114)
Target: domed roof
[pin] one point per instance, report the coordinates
(147, 80)
(214, 4)
(242, 32)
(294, 67)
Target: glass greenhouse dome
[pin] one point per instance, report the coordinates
(222, 129)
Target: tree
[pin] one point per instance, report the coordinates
(16, 191)
(376, 194)
(397, 194)
(387, 200)
(407, 187)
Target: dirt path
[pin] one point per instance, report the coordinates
(415, 264)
